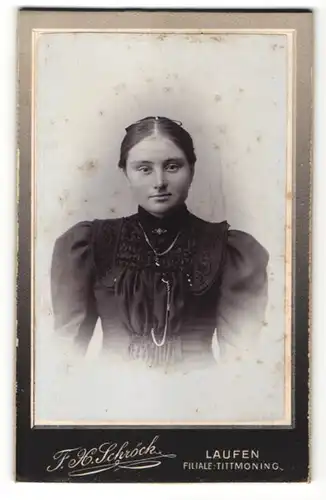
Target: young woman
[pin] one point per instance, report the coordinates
(163, 282)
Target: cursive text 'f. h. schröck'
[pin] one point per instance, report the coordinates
(81, 461)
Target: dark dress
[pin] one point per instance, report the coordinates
(106, 269)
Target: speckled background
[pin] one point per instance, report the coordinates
(230, 93)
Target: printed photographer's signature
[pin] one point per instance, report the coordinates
(108, 456)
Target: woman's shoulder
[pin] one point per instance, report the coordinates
(204, 223)
(207, 232)
(79, 230)
(242, 251)
(84, 230)
(236, 240)
(245, 248)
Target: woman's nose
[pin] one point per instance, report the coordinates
(160, 180)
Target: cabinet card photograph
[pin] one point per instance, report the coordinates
(161, 220)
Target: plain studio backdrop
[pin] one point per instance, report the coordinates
(230, 93)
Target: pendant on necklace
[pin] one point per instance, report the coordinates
(159, 231)
(157, 263)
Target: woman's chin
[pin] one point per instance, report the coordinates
(160, 208)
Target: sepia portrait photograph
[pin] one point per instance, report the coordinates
(163, 327)
(163, 245)
(162, 226)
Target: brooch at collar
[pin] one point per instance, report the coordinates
(159, 231)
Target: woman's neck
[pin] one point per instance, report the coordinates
(173, 211)
(171, 221)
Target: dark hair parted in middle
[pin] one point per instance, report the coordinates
(148, 126)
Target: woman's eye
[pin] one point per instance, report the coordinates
(145, 169)
(173, 167)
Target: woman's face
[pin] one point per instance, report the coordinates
(159, 174)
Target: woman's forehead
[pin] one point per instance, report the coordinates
(155, 147)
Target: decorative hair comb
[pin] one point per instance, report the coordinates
(156, 118)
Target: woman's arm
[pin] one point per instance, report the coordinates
(72, 280)
(244, 295)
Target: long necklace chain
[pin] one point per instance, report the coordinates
(167, 284)
(167, 313)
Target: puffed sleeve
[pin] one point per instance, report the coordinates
(72, 276)
(244, 293)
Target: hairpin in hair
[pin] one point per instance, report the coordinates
(156, 118)
(178, 122)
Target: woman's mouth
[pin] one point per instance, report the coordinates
(161, 197)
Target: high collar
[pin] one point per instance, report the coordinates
(172, 222)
